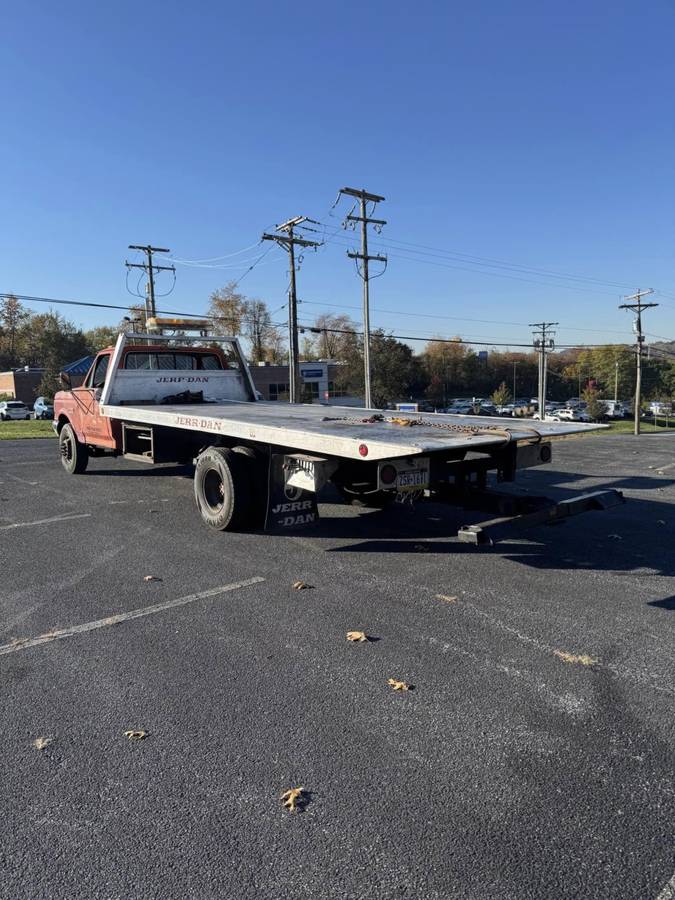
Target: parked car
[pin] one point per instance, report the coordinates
(43, 408)
(659, 408)
(13, 409)
(571, 415)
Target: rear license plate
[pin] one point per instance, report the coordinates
(412, 480)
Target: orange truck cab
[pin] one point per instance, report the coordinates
(79, 407)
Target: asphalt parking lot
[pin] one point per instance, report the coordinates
(508, 772)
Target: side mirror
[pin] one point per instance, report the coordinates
(65, 381)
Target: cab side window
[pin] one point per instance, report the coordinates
(98, 378)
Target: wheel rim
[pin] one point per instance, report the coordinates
(214, 490)
(67, 449)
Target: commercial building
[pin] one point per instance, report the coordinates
(24, 383)
(318, 383)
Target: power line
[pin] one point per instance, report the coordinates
(492, 262)
(418, 315)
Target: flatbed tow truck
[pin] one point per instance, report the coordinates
(182, 399)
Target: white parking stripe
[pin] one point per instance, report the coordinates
(57, 635)
(668, 893)
(46, 521)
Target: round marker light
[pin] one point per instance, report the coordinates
(363, 449)
(387, 474)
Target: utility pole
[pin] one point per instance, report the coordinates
(542, 341)
(150, 268)
(637, 308)
(515, 363)
(364, 197)
(286, 238)
(616, 381)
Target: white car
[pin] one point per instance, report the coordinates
(13, 409)
(571, 415)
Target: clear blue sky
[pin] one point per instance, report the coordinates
(540, 134)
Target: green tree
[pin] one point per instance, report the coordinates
(98, 338)
(227, 307)
(595, 408)
(502, 395)
(13, 319)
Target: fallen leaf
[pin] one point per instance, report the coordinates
(581, 659)
(41, 742)
(136, 735)
(614, 537)
(301, 586)
(357, 636)
(660, 521)
(421, 548)
(398, 685)
(293, 799)
(151, 578)
(447, 598)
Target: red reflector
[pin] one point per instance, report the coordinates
(363, 449)
(387, 474)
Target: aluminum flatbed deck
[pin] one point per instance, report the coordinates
(341, 431)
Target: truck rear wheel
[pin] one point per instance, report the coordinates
(74, 455)
(223, 489)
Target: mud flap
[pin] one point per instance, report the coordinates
(288, 507)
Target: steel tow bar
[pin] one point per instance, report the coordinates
(482, 534)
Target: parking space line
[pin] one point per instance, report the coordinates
(59, 634)
(51, 521)
(668, 893)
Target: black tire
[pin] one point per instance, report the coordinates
(222, 488)
(74, 455)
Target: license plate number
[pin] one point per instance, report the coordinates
(414, 479)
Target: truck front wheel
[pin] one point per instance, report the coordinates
(223, 489)
(74, 455)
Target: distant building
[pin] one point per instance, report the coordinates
(22, 384)
(317, 383)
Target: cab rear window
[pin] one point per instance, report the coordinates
(166, 360)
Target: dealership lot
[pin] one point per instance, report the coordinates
(507, 772)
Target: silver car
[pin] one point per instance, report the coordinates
(13, 409)
(43, 408)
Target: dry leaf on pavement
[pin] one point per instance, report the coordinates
(293, 799)
(136, 735)
(357, 636)
(447, 597)
(398, 685)
(615, 537)
(301, 586)
(582, 659)
(151, 578)
(41, 742)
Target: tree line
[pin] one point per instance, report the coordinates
(446, 368)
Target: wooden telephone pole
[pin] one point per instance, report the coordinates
(286, 238)
(364, 197)
(543, 341)
(150, 268)
(637, 308)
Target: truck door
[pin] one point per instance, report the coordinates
(96, 428)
